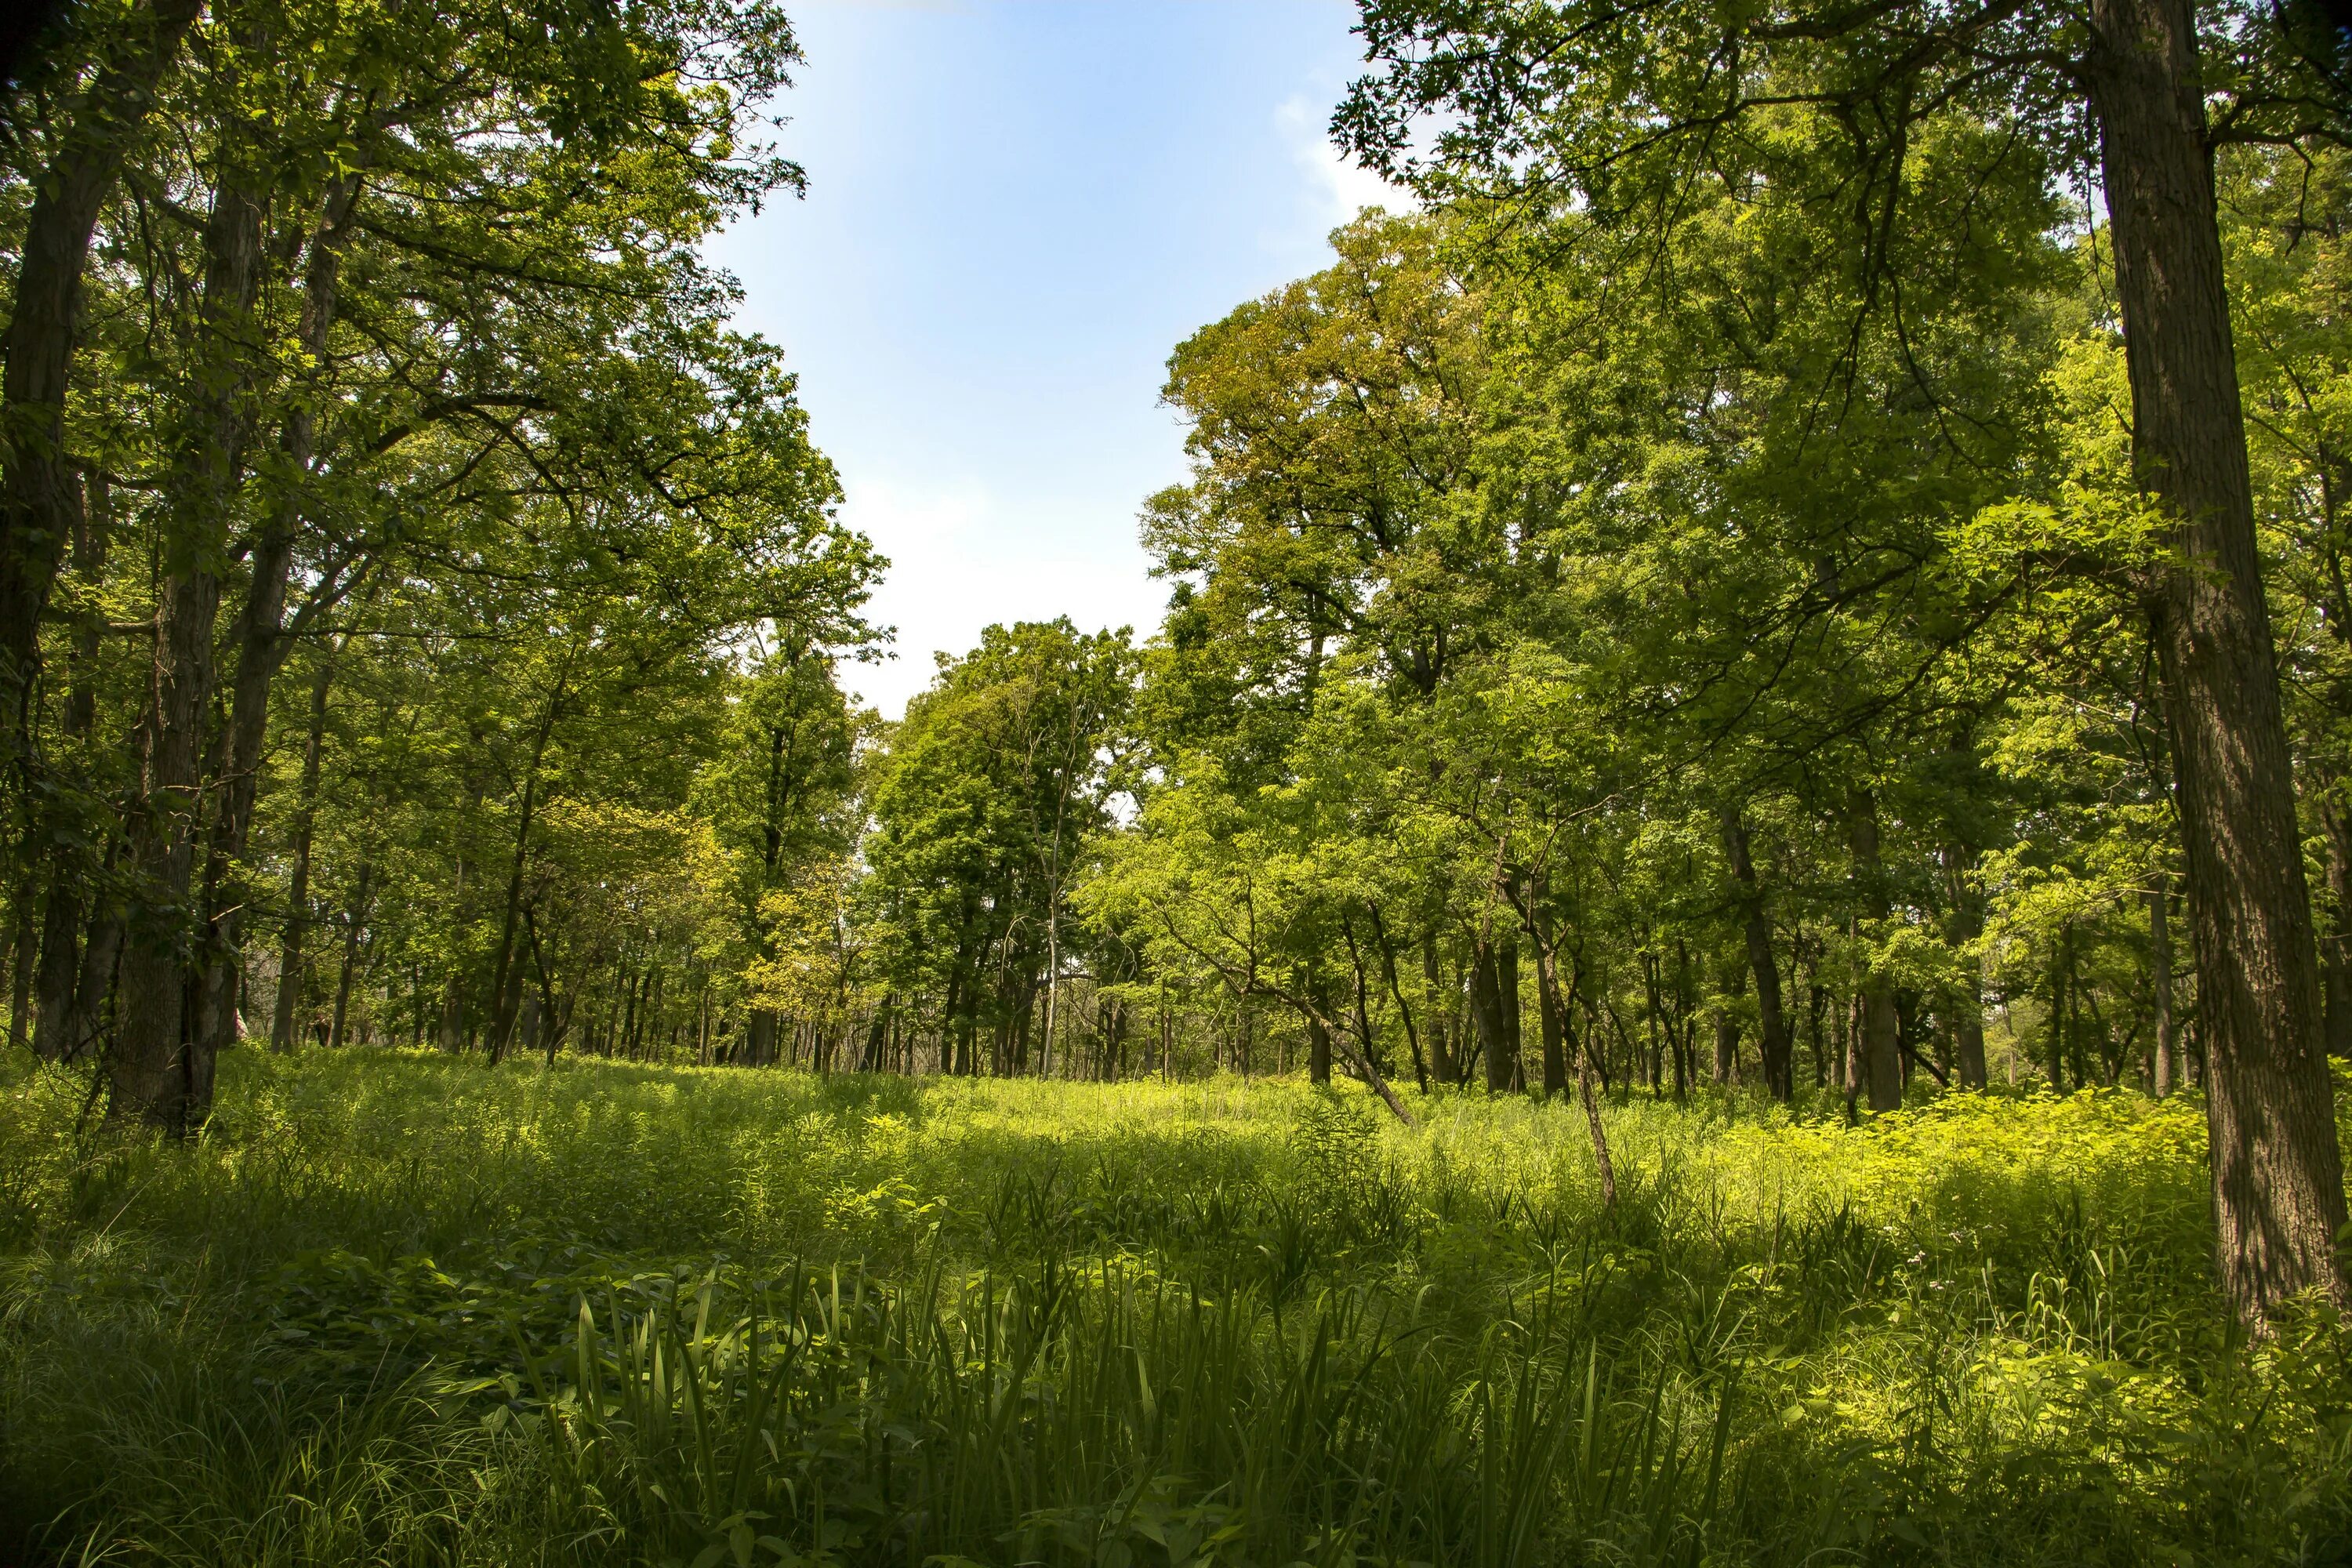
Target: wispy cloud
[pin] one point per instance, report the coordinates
(1340, 186)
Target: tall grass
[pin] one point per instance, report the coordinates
(396, 1309)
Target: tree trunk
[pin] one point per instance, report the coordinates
(1680, 1023)
(2159, 942)
(158, 1073)
(23, 950)
(1396, 992)
(62, 1030)
(1318, 1041)
(2278, 1174)
(2061, 965)
(1494, 1006)
(451, 1028)
(1966, 925)
(504, 990)
(282, 1035)
(1558, 1015)
(39, 501)
(1653, 1064)
(1441, 1052)
(355, 917)
(1773, 1045)
(1882, 1065)
(1849, 1054)
(261, 651)
(54, 1028)
(1553, 1021)
(1312, 1006)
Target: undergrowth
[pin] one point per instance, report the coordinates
(399, 1308)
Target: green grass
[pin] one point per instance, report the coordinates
(396, 1309)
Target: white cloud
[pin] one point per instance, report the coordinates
(1338, 184)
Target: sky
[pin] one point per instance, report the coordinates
(1015, 210)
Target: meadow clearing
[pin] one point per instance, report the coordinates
(396, 1308)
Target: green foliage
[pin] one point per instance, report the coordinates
(394, 1308)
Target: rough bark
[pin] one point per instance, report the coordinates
(2278, 1172)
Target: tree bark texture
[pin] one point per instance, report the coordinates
(2278, 1174)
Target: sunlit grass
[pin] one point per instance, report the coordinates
(400, 1308)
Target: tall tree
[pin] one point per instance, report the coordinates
(1624, 107)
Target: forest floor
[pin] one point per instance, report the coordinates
(396, 1308)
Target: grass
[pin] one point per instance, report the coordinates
(397, 1309)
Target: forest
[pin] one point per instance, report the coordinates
(1717, 927)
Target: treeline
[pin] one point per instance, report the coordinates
(394, 530)
(1814, 560)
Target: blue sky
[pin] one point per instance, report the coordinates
(1015, 209)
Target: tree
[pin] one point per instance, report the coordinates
(1631, 109)
(983, 798)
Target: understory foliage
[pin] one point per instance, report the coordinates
(393, 1309)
